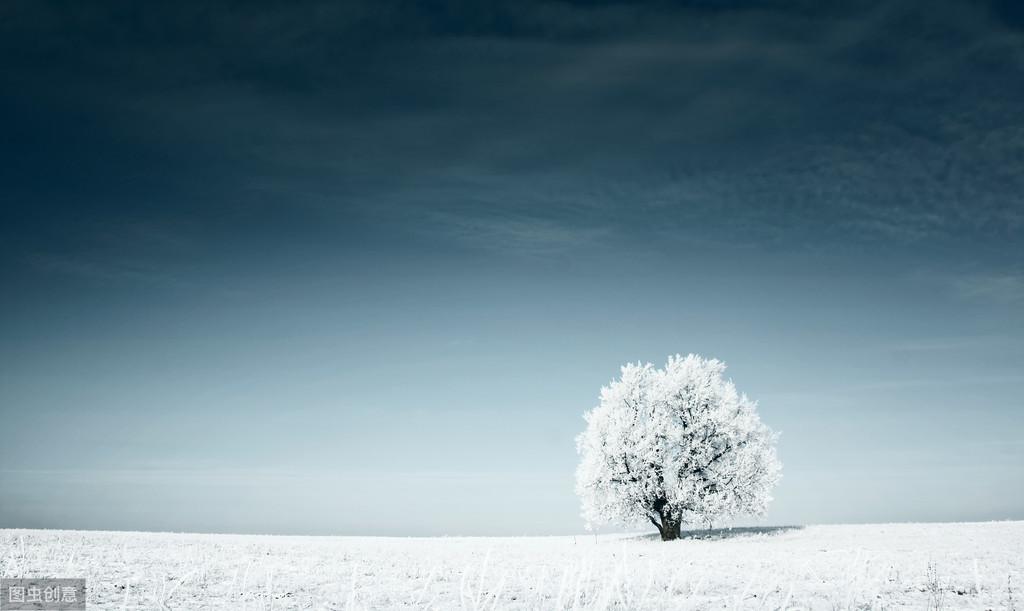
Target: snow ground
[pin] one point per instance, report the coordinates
(877, 566)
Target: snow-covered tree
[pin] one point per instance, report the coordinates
(674, 446)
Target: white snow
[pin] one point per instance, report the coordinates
(894, 566)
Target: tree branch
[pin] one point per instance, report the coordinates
(656, 525)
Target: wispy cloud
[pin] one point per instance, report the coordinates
(1007, 288)
(838, 395)
(108, 271)
(523, 234)
(943, 344)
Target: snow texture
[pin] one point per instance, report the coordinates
(880, 566)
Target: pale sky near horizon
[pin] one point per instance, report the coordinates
(360, 268)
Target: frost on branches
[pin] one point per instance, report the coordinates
(674, 446)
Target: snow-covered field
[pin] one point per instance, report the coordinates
(894, 566)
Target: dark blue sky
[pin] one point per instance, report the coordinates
(361, 267)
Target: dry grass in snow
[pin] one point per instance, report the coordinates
(880, 566)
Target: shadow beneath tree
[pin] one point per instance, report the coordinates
(711, 534)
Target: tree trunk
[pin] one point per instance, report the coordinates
(670, 528)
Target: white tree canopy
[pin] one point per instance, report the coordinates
(674, 446)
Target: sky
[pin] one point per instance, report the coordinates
(360, 267)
